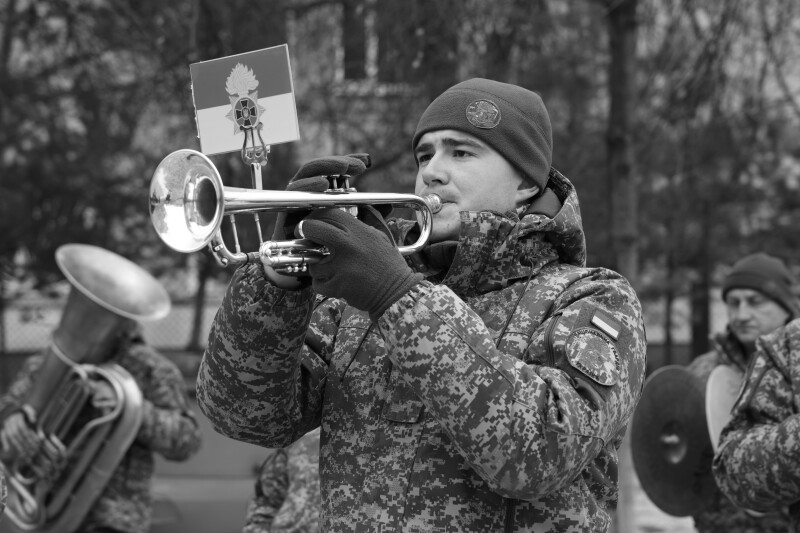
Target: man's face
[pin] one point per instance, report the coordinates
(468, 175)
(752, 314)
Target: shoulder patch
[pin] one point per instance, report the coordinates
(592, 353)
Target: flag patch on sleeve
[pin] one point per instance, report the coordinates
(605, 323)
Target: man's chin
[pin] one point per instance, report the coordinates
(746, 337)
(443, 234)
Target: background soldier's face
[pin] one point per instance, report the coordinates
(752, 314)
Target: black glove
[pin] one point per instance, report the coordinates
(364, 267)
(311, 177)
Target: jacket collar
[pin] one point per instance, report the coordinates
(496, 249)
(730, 349)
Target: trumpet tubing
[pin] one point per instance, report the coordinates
(188, 203)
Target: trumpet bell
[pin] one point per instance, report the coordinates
(185, 206)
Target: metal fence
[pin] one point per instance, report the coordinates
(28, 324)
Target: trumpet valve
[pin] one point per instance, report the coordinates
(291, 256)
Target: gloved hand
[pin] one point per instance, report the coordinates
(18, 438)
(311, 177)
(103, 395)
(364, 267)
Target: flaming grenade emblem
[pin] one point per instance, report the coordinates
(241, 87)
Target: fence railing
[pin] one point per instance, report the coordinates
(28, 324)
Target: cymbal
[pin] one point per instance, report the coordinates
(722, 389)
(670, 443)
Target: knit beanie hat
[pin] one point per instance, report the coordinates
(766, 274)
(510, 119)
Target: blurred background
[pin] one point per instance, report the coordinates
(677, 121)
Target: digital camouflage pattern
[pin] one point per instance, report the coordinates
(756, 464)
(168, 427)
(287, 498)
(723, 514)
(464, 407)
(3, 493)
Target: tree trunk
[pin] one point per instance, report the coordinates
(669, 298)
(622, 42)
(701, 289)
(204, 271)
(621, 17)
(220, 40)
(2, 314)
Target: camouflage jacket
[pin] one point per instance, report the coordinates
(725, 350)
(168, 427)
(287, 490)
(494, 399)
(756, 464)
(722, 514)
(3, 493)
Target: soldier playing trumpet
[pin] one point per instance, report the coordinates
(484, 384)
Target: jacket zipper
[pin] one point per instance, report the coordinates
(548, 340)
(511, 506)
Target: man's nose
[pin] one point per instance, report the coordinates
(434, 171)
(743, 312)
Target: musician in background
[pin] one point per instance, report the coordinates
(758, 297)
(483, 385)
(756, 464)
(286, 495)
(168, 428)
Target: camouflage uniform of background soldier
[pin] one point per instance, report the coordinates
(168, 427)
(756, 465)
(286, 496)
(490, 394)
(758, 295)
(3, 493)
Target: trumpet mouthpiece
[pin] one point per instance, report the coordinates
(434, 202)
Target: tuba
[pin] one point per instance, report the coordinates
(188, 204)
(83, 441)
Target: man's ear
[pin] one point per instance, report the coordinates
(525, 194)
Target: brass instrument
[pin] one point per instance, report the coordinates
(670, 443)
(53, 490)
(188, 203)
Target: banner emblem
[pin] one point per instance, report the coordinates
(253, 92)
(245, 111)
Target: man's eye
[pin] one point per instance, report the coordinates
(460, 153)
(423, 157)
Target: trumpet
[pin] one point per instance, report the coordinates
(188, 203)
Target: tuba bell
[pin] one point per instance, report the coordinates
(83, 442)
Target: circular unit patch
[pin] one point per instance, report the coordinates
(483, 114)
(591, 352)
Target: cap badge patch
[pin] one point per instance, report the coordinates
(483, 114)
